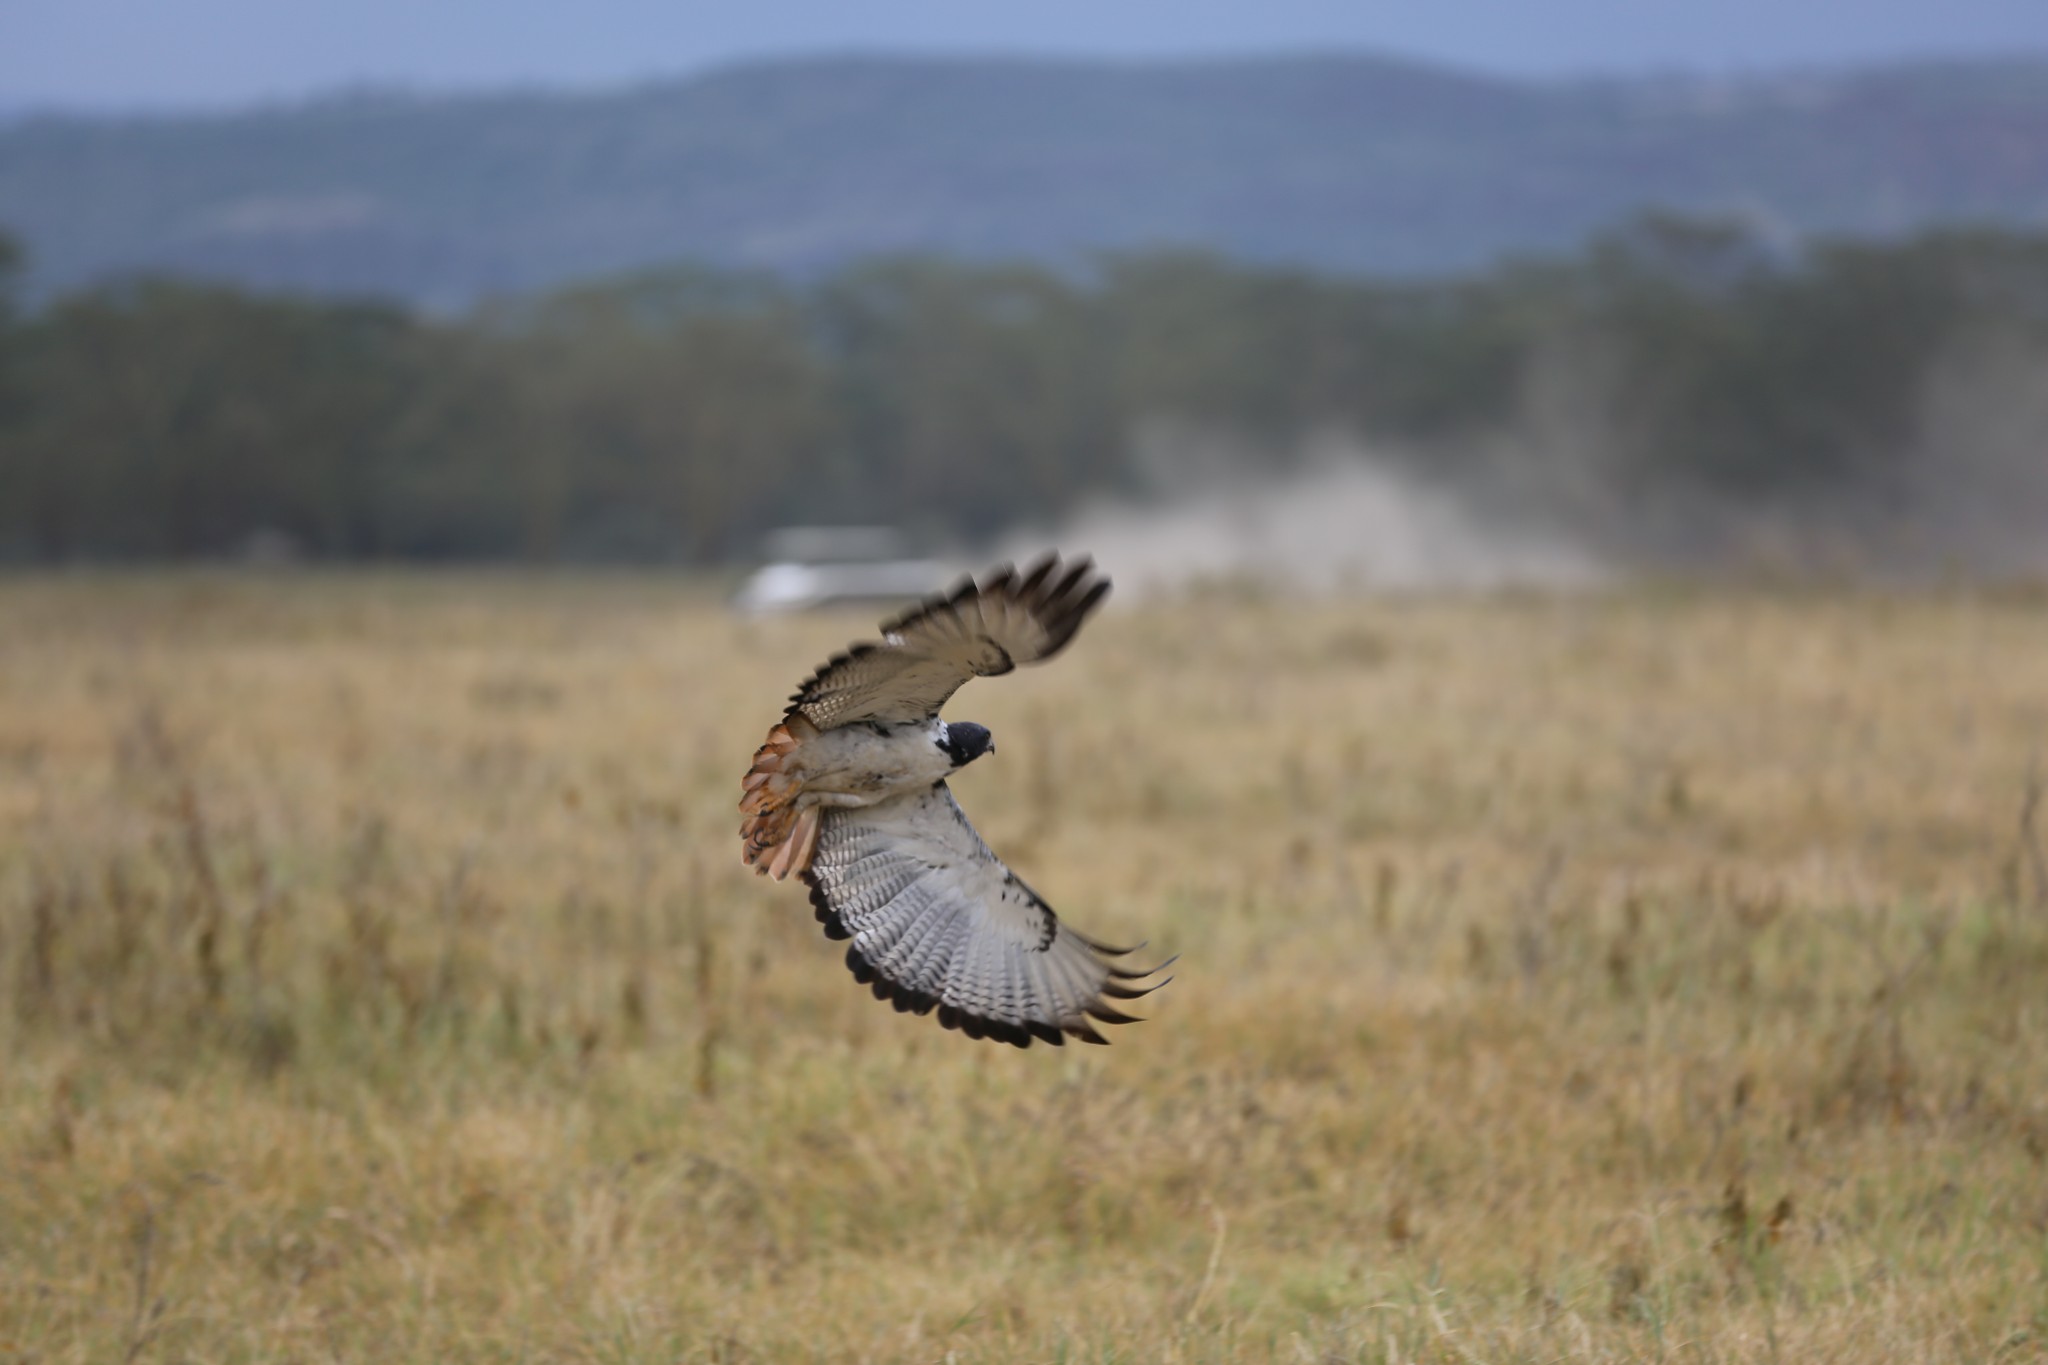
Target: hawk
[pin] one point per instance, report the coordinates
(849, 792)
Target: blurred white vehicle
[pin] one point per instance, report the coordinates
(826, 566)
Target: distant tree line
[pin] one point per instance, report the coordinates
(675, 415)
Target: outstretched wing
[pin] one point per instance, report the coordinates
(938, 922)
(973, 631)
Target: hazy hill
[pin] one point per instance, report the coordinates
(1337, 162)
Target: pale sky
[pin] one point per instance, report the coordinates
(216, 53)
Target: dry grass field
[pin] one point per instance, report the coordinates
(1657, 975)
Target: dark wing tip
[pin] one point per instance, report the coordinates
(1038, 572)
(1116, 987)
(1121, 973)
(1081, 1029)
(1126, 974)
(1107, 950)
(1061, 594)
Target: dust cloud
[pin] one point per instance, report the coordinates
(1335, 518)
(1556, 499)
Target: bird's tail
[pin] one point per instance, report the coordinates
(776, 825)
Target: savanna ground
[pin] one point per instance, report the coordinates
(1655, 975)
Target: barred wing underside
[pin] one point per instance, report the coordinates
(938, 922)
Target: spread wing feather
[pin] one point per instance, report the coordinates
(972, 631)
(938, 923)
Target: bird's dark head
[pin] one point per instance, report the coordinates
(966, 741)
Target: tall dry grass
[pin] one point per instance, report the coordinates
(1648, 976)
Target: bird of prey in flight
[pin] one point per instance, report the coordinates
(849, 792)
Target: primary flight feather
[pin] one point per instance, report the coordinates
(849, 792)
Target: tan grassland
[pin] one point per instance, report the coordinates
(1654, 975)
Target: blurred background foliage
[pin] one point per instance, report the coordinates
(1673, 371)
